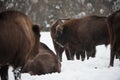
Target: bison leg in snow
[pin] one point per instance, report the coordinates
(80, 54)
(93, 52)
(17, 73)
(4, 72)
(59, 50)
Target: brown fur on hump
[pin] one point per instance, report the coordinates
(50, 55)
(44, 62)
(30, 35)
(83, 33)
(82, 25)
(27, 31)
(57, 66)
(18, 41)
(20, 23)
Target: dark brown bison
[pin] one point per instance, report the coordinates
(19, 40)
(83, 34)
(59, 49)
(69, 50)
(114, 33)
(44, 62)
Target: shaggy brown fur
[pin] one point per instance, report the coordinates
(83, 34)
(114, 32)
(17, 39)
(44, 62)
(69, 50)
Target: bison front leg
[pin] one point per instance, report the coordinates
(89, 52)
(93, 52)
(68, 54)
(72, 52)
(112, 55)
(17, 73)
(4, 72)
(59, 53)
(78, 55)
(82, 55)
(59, 50)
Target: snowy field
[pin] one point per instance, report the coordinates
(92, 69)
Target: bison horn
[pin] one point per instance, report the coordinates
(59, 44)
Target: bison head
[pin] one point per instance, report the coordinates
(60, 35)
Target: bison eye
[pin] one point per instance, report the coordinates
(59, 33)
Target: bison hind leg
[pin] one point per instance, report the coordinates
(93, 52)
(83, 55)
(4, 72)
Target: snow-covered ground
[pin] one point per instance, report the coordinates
(92, 69)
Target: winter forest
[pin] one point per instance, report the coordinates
(44, 12)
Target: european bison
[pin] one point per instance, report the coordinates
(83, 34)
(19, 40)
(69, 50)
(114, 33)
(44, 62)
(59, 49)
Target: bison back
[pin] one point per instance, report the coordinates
(16, 37)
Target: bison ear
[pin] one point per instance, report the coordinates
(36, 29)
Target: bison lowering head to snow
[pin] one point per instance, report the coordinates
(114, 32)
(19, 40)
(44, 62)
(83, 34)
